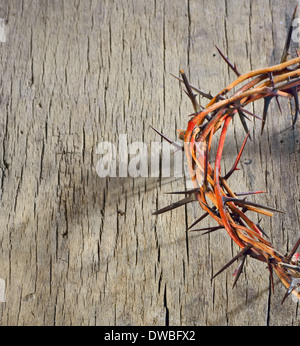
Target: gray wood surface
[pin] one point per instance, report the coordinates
(77, 249)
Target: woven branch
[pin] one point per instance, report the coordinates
(211, 189)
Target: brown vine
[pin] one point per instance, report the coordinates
(211, 188)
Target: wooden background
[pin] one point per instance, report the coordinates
(77, 249)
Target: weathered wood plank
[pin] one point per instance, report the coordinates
(78, 249)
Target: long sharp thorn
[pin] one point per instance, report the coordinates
(294, 283)
(244, 251)
(243, 202)
(288, 38)
(296, 98)
(238, 158)
(290, 266)
(233, 67)
(187, 93)
(273, 85)
(210, 229)
(187, 192)
(208, 96)
(287, 293)
(243, 121)
(248, 193)
(294, 249)
(244, 116)
(196, 105)
(267, 100)
(262, 231)
(192, 97)
(198, 220)
(174, 205)
(250, 113)
(179, 147)
(278, 103)
(212, 210)
(271, 274)
(239, 270)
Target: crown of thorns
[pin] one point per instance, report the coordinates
(211, 189)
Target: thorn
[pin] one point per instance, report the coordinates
(190, 93)
(273, 85)
(296, 98)
(288, 38)
(248, 203)
(271, 274)
(290, 266)
(291, 254)
(212, 210)
(244, 115)
(209, 229)
(187, 192)
(190, 198)
(278, 103)
(250, 113)
(237, 159)
(267, 100)
(262, 231)
(239, 270)
(179, 147)
(244, 251)
(248, 193)
(216, 228)
(243, 121)
(233, 67)
(198, 220)
(295, 282)
(208, 96)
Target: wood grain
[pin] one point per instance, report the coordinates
(77, 249)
